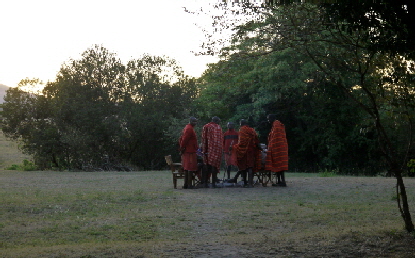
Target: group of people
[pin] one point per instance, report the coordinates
(241, 149)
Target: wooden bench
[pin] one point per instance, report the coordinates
(176, 170)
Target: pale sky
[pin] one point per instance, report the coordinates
(37, 36)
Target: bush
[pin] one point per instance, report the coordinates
(13, 167)
(26, 166)
(411, 167)
(329, 173)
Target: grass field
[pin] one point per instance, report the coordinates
(139, 214)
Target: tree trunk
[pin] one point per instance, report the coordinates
(401, 195)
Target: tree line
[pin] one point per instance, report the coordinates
(345, 108)
(99, 111)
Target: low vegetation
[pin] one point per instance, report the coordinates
(25, 166)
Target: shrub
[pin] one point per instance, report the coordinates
(411, 167)
(13, 167)
(26, 166)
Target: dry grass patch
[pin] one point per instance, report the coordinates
(138, 214)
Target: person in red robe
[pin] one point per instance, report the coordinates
(230, 138)
(277, 154)
(188, 148)
(248, 151)
(212, 138)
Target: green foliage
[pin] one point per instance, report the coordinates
(411, 167)
(28, 166)
(100, 111)
(25, 166)
(329, 173)
(323, 128)
(341, 68)
(13, 167)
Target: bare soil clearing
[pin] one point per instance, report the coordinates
(138, 214)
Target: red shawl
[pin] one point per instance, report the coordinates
(230, 138)
(188, 139)
(247, 152)
(188, 147)
(212, 144)
(277, 155)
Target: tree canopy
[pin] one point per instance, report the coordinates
(100, 111)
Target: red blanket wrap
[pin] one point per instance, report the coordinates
(247, 152)
(212, 144)
(277, 155)
(229, 139)
(188, 146)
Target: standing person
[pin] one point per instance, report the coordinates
(188, 148)
(277, 155)
(248, 151)
(212, 149)
(230, 138)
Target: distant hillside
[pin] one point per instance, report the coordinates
(3, 89)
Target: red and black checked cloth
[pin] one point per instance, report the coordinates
(212, 144)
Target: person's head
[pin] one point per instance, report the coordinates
(271, 118)
(216, 120)
(243, 122)
(192, 120)
(231, 125)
